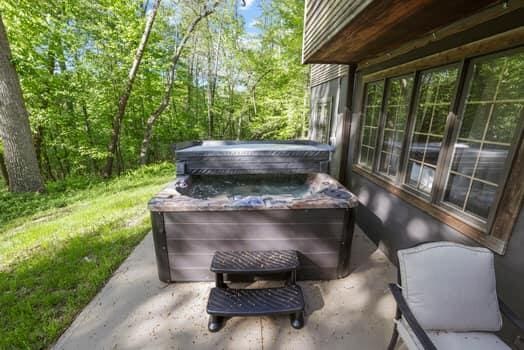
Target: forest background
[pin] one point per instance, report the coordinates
(233, 79)
(93, 91)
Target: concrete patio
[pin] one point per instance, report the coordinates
(137, 311)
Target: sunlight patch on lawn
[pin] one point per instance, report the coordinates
(53, 261)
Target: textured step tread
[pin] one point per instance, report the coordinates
(255, 302)
(255, 262)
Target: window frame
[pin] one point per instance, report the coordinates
(468, 224)
(432, 197)
(467, 84)
(361, 126)
(382, 123)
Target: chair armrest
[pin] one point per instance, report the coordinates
(511, 316)
(419, 332)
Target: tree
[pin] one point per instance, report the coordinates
(124, 98)
(234, 79)
(19, 153)
(213, 55)
(3, 169)
(171, 77)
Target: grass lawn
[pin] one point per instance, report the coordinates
(58, 249)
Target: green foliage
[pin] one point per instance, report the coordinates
(62, 246)
(73, 58)
(58, 248)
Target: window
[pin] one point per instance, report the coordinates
(322, 124)
(370, 123)
(491, 115)
(435, 94)
(397, 104)
(450, 149)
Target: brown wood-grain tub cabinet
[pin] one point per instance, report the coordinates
(187, 230)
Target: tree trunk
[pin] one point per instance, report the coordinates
(19, 152)
(57, 156)
(48, 165)
(302, 131)
(254, 100)
(209, 78)
(89, 134)
(124, 97)
(189, 82)
(239, 129)
(3, 170)
(38, 140)
(212, 69)
(171, 77)
(209, 97)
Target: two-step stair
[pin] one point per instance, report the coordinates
(227, 302)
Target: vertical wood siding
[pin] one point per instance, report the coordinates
(325, 18)
(320, 73)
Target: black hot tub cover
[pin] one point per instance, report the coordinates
(252, 157)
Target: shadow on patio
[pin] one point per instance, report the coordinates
(137, 311)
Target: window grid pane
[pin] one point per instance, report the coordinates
(370, 120)
(397, 104)
(490, 117)
(434, 99)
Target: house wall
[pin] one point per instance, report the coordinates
(349, 31)
(336, 89)
(324, 18)
(321, 73)
(394, 224)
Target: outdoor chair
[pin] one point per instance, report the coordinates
(447, 299)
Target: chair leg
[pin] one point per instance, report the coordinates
(394, 338)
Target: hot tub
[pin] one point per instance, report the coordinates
(197, 215)
(252, 157)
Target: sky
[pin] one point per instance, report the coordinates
(250, 12)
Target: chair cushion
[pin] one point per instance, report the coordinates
(452, 340)
(467, 340)
(450, 287)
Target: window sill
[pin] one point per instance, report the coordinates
(464, 227)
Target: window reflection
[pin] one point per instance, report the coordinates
(492, 109)
(434, 98)
(397, 104)
(370, 120)
(491, 113)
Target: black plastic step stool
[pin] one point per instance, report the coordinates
(227, 302)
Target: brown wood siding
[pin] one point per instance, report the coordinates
(321, 73)
(325, 18)
(512, 196)
(491, 21)
(500, 41)
(193, 237)
(360, 30)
